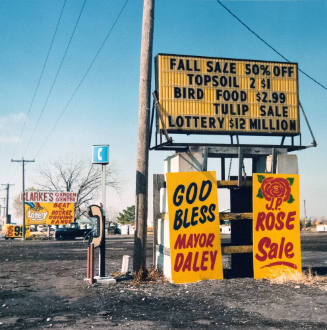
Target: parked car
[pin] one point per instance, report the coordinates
(113, 229)
(71, 232)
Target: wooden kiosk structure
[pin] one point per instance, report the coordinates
(215, 96)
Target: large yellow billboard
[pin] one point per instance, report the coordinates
(49, 213)
(276, 225)
(194, 227)
(224, 96)
(49, 207)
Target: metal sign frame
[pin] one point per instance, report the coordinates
(163, 141)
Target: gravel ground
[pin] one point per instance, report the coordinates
(42, 286)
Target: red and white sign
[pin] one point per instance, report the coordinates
(50, 196)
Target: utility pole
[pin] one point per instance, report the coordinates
(305, 214)
(2, 207)
(7, 202)
(141, 202)
(23, 161)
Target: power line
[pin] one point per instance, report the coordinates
(57, 73)
(42, 70)
(267, 44)
(108, 34)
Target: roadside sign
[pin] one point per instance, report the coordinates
(49, 213)
(50, 196)
(194, 229)
(206, 95)
(100, 154)
(276, 225)
(50, 207)
(15, 231)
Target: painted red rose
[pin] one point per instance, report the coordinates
(275, 188)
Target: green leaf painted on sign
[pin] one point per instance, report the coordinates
(260, 178)
(291, 199)
(291, 181)
(260, 195)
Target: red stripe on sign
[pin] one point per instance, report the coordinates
(278, 263)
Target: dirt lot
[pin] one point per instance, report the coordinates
(42, 286)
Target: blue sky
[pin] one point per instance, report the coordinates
(105, 108)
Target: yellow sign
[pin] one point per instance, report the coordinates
(276, 225)
(49, 213)
(223, 96)
(16, 231)
(194, 227)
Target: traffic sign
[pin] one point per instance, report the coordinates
(100, 154)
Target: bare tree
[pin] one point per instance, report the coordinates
(84, 179)
(18, 206)
(18, 203)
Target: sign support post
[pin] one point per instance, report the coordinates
(100, 155)
(102, 251)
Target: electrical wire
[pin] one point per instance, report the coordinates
(41, 73)
(108, 34)
(57, 73)
(267, 44)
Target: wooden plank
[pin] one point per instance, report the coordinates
(163, 216)
(227, 183)
(235, 216)
(226, 249)
(158, 182)
(230, 249)
(234, 183)
(222, 216)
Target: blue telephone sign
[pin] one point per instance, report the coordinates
(100, 154)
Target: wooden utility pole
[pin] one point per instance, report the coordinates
(7, 202)
(23, 161)
(141, 202)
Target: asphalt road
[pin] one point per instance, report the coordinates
(42, 286)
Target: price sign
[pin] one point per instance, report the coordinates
(14, 231)
(223, 96)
